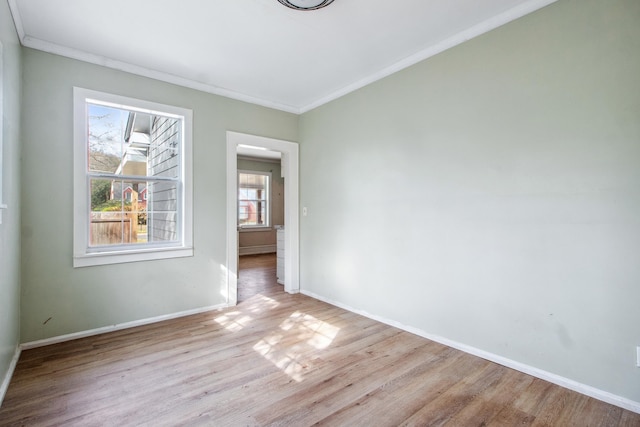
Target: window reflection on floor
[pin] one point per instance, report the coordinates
(292, 346)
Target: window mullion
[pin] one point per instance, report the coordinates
(136, 178)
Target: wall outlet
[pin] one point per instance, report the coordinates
(304, 211)
(638, 356)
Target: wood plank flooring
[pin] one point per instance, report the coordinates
(279, 359)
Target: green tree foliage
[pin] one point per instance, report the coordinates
(100, 193)
(113, 206)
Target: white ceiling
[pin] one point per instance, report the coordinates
(258, 50)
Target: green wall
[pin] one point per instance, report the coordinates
(490, 195)
(58, 299)
(10, 227)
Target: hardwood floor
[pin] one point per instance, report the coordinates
(257, 276)
(279, 359)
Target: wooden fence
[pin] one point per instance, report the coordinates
(113, 228)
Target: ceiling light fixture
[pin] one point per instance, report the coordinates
(306, 4)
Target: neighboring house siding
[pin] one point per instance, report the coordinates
(163, 161)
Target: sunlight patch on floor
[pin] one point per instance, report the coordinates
(261, 303)
(233, 321)
(291, 348)
(320, 333)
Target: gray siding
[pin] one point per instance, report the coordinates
(164, 160)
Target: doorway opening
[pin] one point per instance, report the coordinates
(289, 164)
(257, 276)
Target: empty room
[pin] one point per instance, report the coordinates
(337, 212)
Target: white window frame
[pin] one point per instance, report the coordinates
(83, 255)
(267, 226)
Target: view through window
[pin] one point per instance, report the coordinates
(134, 176)
(253, 199)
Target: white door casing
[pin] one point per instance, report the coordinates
(289, 164)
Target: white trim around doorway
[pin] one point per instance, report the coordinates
(289, 165)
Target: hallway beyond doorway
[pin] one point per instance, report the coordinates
(257, 274)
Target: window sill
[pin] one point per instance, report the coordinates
(119, 257)
(251, 229)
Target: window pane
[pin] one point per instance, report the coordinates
(247, 214)
(255, 181)
(108, 217)
(162, 211)
(164, 155)
(105, 137)
(131, 143)
(253, 193)
(118, 216)
(134, 193)
(262, 213)
(243, 212)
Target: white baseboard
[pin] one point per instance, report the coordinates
(9, 374)
(587, 390)
(117, 327)
(256, 250)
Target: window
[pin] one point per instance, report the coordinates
(254, 199)
(132, 185)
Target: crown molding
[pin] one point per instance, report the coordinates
(459, 38)
(512, 14)
(17, 19)
(53, 48)
(35, 43)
